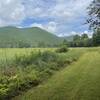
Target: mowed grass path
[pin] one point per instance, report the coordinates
(79, 81)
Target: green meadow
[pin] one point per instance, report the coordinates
(44, 74)
(49, 49)
(79, 81)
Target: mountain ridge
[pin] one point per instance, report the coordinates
(31, 36)
(28, 37)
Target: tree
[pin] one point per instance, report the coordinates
(96, 38)
(76, 38)
(94, 14)
(81, 41)
(65, 42)
(84, 36)
(22, 44)
(94, 21)
(41, 44)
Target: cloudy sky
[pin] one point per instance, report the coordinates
(61, 17)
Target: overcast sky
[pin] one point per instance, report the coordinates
(61, 17)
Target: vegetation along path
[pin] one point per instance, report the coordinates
(79, 81)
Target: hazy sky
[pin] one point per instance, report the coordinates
(61, 17)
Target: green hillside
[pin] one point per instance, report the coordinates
(12, 37)
(68, 38)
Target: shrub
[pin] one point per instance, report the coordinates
(48, 56)
(25, 60)
(38, 59)
(31, 69)
(62, 49)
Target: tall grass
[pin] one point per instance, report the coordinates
(20, 72)
(80, 81)
(21, 69)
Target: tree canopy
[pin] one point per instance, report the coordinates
(94, 14)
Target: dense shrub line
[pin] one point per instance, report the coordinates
(29, 70)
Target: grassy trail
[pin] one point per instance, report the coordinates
(79, 81)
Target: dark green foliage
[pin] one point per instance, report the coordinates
(84, 36)
(94, 15)
(23, 44)
(35, 58)
(85, 41)
(76, 38)
(65, 42)
(62, 49)
(81, 41)
(96, 38)
(94, 21)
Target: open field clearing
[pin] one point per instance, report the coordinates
(9, 53)
(49, 49)
(79, 81)
(22, 69)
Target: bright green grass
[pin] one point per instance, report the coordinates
(79, 81)
(11, 52)
(8, 55)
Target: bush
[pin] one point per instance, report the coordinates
(38, 59)
(30, 70)
(62, 49)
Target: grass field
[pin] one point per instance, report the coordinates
(9, 53)
(21, 69)
(75, 74)
(79, 81)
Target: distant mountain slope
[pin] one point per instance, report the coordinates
(12, 36)
(68, 38)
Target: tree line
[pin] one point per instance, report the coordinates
(85, 41)
(93, 21)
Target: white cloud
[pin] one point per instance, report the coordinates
(80, 33)
(37, 25)
(89, 33)
(62, 12)
(51, 26)
(11, 12)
